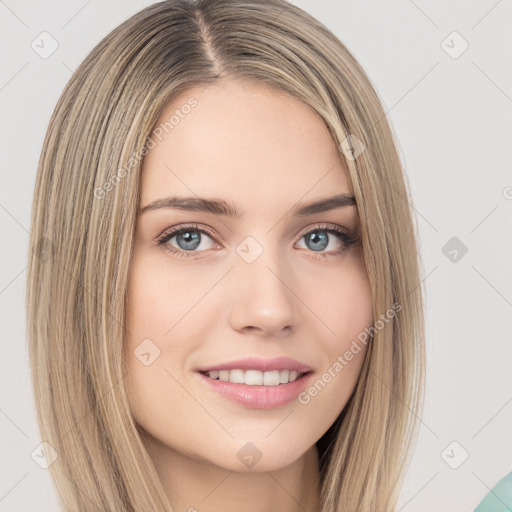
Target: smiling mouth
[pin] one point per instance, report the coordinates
(255, 377)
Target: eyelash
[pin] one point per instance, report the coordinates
(347, 237)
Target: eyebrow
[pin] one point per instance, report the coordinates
(224, 208)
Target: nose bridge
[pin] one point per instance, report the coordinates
(263, 295)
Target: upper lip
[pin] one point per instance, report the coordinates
(263, 365)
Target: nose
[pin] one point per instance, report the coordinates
(263, 302)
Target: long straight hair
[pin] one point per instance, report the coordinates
(83, 220)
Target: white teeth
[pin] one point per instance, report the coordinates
(271, 378)
(236, 376)
(255, 377)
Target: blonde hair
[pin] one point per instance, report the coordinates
(83, 219)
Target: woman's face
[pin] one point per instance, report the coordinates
(269, 283)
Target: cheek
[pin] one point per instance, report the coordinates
(161, 319)
(345, 311)
(161, 299)
(341, 301)
(144, 350)
(351, 314)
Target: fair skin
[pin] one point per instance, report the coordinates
(263, 151)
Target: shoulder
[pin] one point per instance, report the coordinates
(499, 498)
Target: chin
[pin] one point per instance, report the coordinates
(260, 456)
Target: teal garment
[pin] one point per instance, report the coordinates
(499, 499)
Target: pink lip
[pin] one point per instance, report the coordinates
(259, 397)
(263, 365)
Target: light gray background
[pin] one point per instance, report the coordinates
(452, 117)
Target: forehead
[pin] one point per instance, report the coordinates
(241, 141)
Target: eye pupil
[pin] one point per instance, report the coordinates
(315, 238)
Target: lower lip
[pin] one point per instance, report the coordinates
(259, 397)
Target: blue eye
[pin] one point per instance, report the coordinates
(189, 238)
(318, 239)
